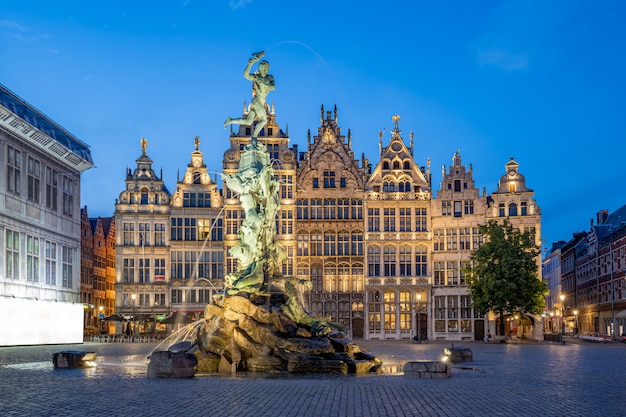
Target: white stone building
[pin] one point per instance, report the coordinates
(40, 226)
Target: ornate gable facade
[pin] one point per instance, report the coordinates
(329, 224)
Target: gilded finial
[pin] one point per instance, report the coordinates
(144, 145)
(396, 118)
(196, 142)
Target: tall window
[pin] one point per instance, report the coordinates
(446, 208)
(477, 238)
(357, 278)
(330, 278)
(357, 209)
(272, 149)
(501, 210)
(159, 300)
(144, 234)
(32, 258)
(373, 261)
(303, 244)
(469, 206)
(420, 219)
(176, 264)
(34, 179)
(329, 208)
(405, 219)
(330, 244)
(316, 209)
(144, 196)
(457, 209)
(390, 261)
(451, 239)
(464, 238)
(159, 269)
(302, 209)
(14, 170)
(512, 209)
(390, 310)
(286, 186)
(316, 244)
(524, 208)
(189, 229)
(389, 219)
(128, 270)
(405, 261)
(159, 234)
(232, 221)
(421, 261)
(144, 270)
(440, 273)
(128, 234)
(343, 208)
(329, 179)
(438, 240)
(357, 243)
(12, 253)
(452, 272)
(217, 264)
(316, 278)
(51, 188)
(68, 196)
(343, 244)
(50, 255)
(373, 220)
(67, 265)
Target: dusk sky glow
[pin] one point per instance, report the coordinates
(541, 81)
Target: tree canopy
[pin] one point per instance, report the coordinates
(502, 272)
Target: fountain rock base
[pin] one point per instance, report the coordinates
(272, 332)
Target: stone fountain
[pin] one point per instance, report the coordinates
(259, 323)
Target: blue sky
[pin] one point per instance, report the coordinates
(540, 81)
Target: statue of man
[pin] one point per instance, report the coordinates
(262, 84)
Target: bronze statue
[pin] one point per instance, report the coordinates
(262, 84)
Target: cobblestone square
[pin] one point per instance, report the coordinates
(526, 379)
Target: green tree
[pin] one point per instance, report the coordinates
(502, 272)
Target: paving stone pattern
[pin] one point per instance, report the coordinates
(526, 379)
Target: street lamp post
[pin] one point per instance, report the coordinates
(562, 297)
(419, 309)
(134, 296)
(576, 321)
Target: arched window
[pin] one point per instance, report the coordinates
(406, 165)
(385, 165)
(421, 261)
(396, 165)
(512, 209)
(144, 196)
(343, 274)
(373, 261)
(357, 278)
(389, 260)
(405, 260)
(330, 277)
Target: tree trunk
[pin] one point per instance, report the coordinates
(501, 330)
